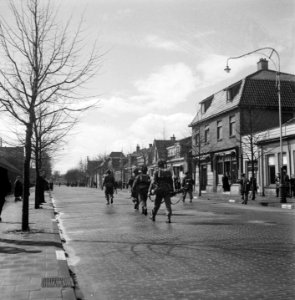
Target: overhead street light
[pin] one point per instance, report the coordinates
(278, 86)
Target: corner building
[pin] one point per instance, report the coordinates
(247, 106)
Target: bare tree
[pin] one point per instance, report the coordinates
(49, 133)
(42, 65)
(248, 138)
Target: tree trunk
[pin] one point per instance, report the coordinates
(26, 192)
(37, 186)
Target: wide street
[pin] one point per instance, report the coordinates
(211, 250)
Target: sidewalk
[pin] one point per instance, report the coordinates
(270, 201)
(32, 264)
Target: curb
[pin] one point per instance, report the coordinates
(68, 293)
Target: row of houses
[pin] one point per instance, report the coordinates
(243, 114)
(177, 153)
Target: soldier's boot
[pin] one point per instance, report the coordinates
(168, 219)
(153, 216)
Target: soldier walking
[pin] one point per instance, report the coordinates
(141, 187)
(187, 185)
(164, 187)
(109, 184)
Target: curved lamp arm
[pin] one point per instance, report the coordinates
(227, 68)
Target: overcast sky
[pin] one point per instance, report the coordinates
(163, 57)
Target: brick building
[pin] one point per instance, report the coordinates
(243, 108)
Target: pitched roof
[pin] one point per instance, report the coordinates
(257, 89)
(116, 154)
(264, 93)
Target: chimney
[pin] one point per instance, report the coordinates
(262, 64)
(150, 145)
(173, 138)
(137, 148)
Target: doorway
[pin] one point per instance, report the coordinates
(203, 177)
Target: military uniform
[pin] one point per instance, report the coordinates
(164, 186)
(109, 184)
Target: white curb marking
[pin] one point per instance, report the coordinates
(60, 255)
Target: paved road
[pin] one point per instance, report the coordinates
(211, 250)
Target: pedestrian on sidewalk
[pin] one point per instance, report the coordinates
(292, 183)
(5, 188)
(109, 184)
(225, 183)
(286, 182)
(18, 189)
(141, 188)
(244, 188)
(278, 182)
(188, 186)
(164, 187)
(253, 187)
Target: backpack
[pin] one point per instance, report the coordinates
(143, 182)
(164, 181)
(109, 182)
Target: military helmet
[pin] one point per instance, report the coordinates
(144, 169)
(162, 163)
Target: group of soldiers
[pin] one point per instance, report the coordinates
(161, 186)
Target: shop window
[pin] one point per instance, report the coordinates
(285, 163)
(234, 172)
(271, 169)
(220, 168)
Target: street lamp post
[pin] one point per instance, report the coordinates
(278, 81)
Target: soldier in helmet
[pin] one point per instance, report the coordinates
(141, 187)
(187, 185)
(164, 182)
(109, 184)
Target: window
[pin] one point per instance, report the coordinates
(285, 163)
(171, 152)
(232, 91)
(197, 139)
(207, 134)
(206, 104)
(219, 130)
(232, 125)
(177, 151)
(271, 169)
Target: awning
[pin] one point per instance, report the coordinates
(176, 164)
(7, 165)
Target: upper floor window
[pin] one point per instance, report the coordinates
(232, 125)
(177, 151)
(219, 130)
(207, 134)
(197, 139)
(206, 104)
(171, 152)
(232, 91)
